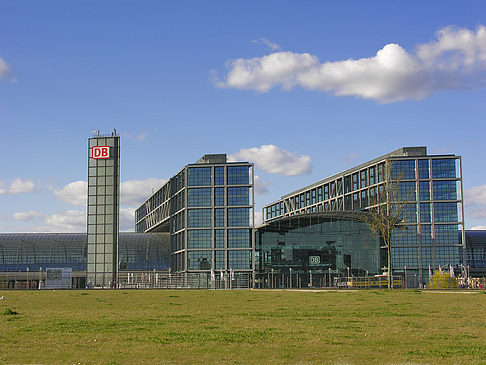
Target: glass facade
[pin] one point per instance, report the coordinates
(38, 251)
(103, 210)
(429, 190)
(322, 244)
(208, 213)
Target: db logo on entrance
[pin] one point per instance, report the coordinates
(100, 152)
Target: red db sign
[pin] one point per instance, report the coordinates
(100, 152)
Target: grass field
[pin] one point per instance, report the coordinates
(242, 326)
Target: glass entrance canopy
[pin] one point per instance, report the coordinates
(323, 242)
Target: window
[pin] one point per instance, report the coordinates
(219, 260)
(219, 217)
(238, 217)
(348, 202)
(332, 187)
(239, 196)
(425, 212)
(407, 191)
(372, 173)
(356, 204)
(445, 212)
(443, 168)
(238, 175)
(447, 255)
(199, 197)
(364, 199)
(199, 218)
(444, 190)
(199, 238)
(405, 237)
(326, 192)
(199, 260)
(446, 234)
(197, 176)
(424, 190)
(355, 182)
(403, 169)
(219, 238)
(405, 256)
(363, 179)
(219, 197)
(347, 184)
(423, 167)
(239, 238)
(381, 172)
(219, 175)
(239, 259)
(426, 234)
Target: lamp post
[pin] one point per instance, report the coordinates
(405, 267)
(329, 277)
(28, 285)
(290, 278)
(272, 278)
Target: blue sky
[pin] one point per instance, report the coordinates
(306, 87)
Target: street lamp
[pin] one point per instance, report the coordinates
(28, 286)
(406, 284)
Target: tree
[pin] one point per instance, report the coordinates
(387, 206)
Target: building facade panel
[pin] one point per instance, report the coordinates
(210, 212)
(431, 185)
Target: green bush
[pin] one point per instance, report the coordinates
(9, 312)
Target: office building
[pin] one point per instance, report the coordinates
(432, 189)
(208, 209)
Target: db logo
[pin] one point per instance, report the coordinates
(100, 152)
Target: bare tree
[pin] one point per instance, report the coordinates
(387, 206)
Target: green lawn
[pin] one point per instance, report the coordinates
(242, 326)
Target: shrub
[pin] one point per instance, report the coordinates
(9, 312)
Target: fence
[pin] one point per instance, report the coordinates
(153, 280)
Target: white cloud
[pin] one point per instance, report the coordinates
(5, 71)
(479, 228)
(132, 192)
(127, 219)
(17, 186)
(272, 46)
(67, 221)
(27, 215)
(74, 193)
(456, 60)
(275, 160)
(137, 137)
(260, 185)
(135, 192)
(475, 201)
(258, 218)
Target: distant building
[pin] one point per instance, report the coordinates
(433, 217)
(26, 256)
(208, 209)
(476, 252)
